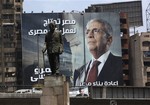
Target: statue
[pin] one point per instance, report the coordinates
(54, 47)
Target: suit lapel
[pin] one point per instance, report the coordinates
(106, 72)
(87, 70)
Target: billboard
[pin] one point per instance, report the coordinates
(77, 56)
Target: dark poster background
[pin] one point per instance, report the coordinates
(72, 25)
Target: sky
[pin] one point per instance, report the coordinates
(61, 5)
(38, 6)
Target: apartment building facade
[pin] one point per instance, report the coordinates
(10, 43)
(132, 8)
(140, 59)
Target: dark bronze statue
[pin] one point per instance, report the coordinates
(54, 47)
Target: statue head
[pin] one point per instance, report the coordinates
(52, 26)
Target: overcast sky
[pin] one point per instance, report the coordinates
(60, 5)
(37, 6)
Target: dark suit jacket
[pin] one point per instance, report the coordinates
(111, 71)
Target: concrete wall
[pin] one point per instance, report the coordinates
(85, 101)
(35, 100)
(20, 101)
(99, 96)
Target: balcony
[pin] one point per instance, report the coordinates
(125, 46)
(124, 26)
(10, 79)
(148, 79)
(125, 36)
(125, 67)
(0, 79)
(6, 2)
(146, 59)
(9, 49)
(147, 69)
(125, 77)
(125, 56)
(10, 59)
(123, 15)
(8, 22)
(10, 69)
(18, 3)
(145, 48)
(8, 11)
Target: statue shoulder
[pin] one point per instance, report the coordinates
(58, 31)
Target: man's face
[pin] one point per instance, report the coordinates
(82, 91)
(96, 38)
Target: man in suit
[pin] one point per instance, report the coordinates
(54, 47)
(104, 69)
(81, 93)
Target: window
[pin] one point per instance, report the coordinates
(7, 16)
(10, 54)
(146, 63)
(10, 64)
(7, 6)
(146, 53)
(18, 17)
(146, 43)
(18, 9)
(10, 74)
(17, 0)
(148, 74)
(9, 45)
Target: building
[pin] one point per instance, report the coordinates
(10, 43)
(124, 29)
(134, 14)
(140, 59)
